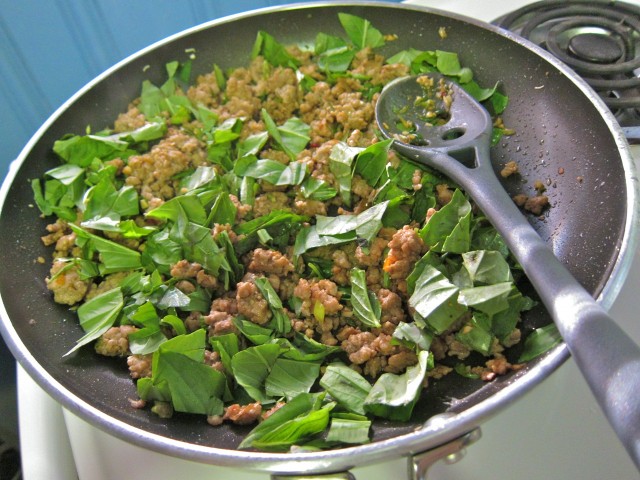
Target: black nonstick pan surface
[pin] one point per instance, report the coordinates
(565, 137)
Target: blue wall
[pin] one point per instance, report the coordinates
(50, 48)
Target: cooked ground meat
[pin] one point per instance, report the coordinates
(537, 204)
(270, 261)
(251, 303)
(321, 292)
(243, 414)
(65, 283)
(115, 341)
(139, 365)
(510, 168)
(405, 248)
(153, 173)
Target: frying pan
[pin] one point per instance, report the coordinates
(565, 137)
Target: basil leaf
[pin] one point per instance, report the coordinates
(394, 396)
(81, 150)
(540, 341)
(223, 211)
(289, 378)
(413, 336)
(281, 321)
(334, 55)
(291, 423)
(365, 304)
(98, 315)
(489, 299)
(448, 230)
(486, 267)
(184, 206)
(272, 51)
(308, 238)
(252, 366)
(304, 349)
(365, 224)
(371, 162)
(360, 31)
(114, 257)
(503, 323)
(347, 387)
(271, 171)
(292, 136)
(435, 300)
(476, 337)
(194, 386)
(341, 160)
(252, 144)
(254, 333)
(315, 189)
(346, 430)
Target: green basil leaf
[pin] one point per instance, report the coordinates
(315, 189)
(476, 337)
(394, 396)
(289, 378)
(448, 230)
(254, 333)
(341, 161)
(540, 341)
(413, 336)
(193, 385)
(345, 430)
(372, 161)
(489, 299)
(486, 267)
(272, 51)
(435, 299)
(114, 257)
(347, 387)
(252, 366)
(98, 315)
(360, 31)
(365, 304)
(271, 171)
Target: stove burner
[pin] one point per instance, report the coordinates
(596, 48)
(599, 39)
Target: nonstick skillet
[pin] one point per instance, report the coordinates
(564, 137)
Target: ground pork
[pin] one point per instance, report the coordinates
(372, 255)
(270, 261)
(109, 283)
(153, 174)
(65, 283)
(377, 353)
(405, 248)
(251, 303)
(131, 120)
(268, 202)
(139, 365)
(115, 341)
(243, 414)
(324, 292)
(220, 317)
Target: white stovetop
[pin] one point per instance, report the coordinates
(555, 432)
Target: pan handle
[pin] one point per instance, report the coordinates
(320, 476)
(418, 465)
(450, 452)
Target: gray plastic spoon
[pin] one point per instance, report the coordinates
(458, 146)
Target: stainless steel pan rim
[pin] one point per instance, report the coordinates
(430, 435)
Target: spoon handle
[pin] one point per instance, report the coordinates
(607, 357)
